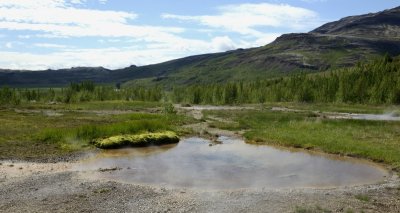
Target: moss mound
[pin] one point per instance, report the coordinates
(139, 140)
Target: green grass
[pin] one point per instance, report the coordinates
(19, 130)
(34, 135)
(364, 198)
(375, 140)
(131, 124)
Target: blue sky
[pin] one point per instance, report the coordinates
(42, 34)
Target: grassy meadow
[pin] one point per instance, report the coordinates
(38, 130)
(375, 140)
(44, 130)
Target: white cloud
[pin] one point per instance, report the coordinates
(78, 1)
(57, 18)
(12, 44)
(62, 20)
(108, 57)
(24, 36)
(113, 58)
(9, 45)
(245, 18)
(55, 21)
(48, 45)
(266, 38)
(32, 4)
(313, 1)
(223, 43)
(62, 15)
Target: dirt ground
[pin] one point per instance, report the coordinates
(36, 187)
(57, 187)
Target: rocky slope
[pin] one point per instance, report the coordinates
(382, 25)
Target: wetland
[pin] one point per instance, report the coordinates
(243, 158)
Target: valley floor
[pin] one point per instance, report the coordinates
(46, 183)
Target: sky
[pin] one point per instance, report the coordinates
(54, 34)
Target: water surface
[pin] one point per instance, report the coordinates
(232, 164)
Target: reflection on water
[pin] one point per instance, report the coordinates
(233, 164)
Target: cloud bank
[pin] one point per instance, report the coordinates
(57, 33)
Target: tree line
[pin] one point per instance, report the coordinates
(78, 92)
(373, 82)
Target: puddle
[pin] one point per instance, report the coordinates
(231, 165)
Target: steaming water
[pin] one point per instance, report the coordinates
(376, 117)
(233, 164)
(372, 117)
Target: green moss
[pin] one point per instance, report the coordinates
(139, 140)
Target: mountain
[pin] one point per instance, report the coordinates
(337, 44)
(53, 77)
(376, 25)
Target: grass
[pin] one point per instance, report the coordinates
(102, 190)
(18, 133)
(29, 135)
(138, 140)
(364, 198)
(137, 123)
(375, 140)
(93, 131)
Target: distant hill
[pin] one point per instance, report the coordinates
(337, 44)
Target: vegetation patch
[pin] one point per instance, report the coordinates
(374, 82)
(102, 190)
(138, 140)
(28, 134)
(375, 140)
(362, 197)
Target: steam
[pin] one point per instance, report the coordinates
(391, 116)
